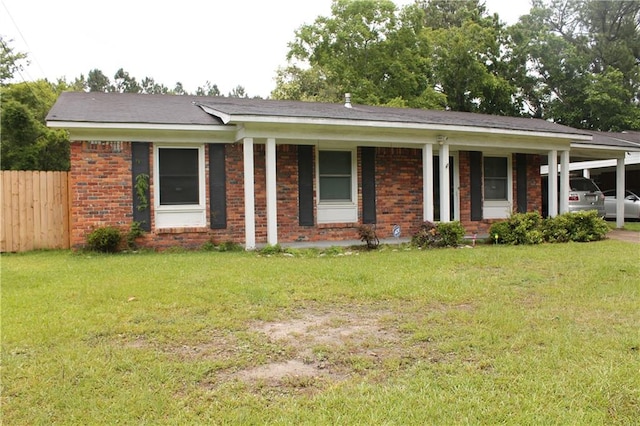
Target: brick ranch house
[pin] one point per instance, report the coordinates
(197, 169)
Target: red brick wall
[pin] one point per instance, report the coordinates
(102, 196)
(101, 187)
(534, 185)
(398, 190)
(534, 189)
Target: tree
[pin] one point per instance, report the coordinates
(124, 83)
(149, 86)
(208, 90)
(367, 48)
(97, 81)
(179, 90)
(574, 47)
(444, 14)
(10, 61)
(25, 142)
(472, 65)
(238, 92)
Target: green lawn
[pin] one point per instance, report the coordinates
(628, 225)
(544, 334)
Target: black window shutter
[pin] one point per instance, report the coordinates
(475, 172)
(305, 185)
(140, 182)
(521, 182)
(368, 164)
(217, 186)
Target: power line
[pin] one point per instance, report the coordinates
(24, 40)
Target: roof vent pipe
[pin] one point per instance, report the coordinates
(347, 100)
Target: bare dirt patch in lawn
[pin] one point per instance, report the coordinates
(330, 346)
(314, 347)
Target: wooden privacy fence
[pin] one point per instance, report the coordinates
(35, 210)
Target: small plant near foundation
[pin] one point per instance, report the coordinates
(451, 233)
(444, 234)
(368, 235)
(225, 246)
(104, 239)
(272, 249)
(208, 246)
(135, 232)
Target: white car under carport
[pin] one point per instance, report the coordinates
(631, 205)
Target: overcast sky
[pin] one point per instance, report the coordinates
(229, 43)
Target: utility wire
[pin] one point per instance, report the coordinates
(24, 40)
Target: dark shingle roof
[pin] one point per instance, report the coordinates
(625, 139)
(171, 109)
(254, 107)
(128, 108)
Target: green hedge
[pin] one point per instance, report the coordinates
(531, 228)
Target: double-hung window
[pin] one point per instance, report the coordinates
(497, 187)
(336, 186)
(179, 186)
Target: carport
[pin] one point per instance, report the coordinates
(619, 153)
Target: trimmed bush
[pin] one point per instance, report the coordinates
(582, 227)
(451, 233)
(443, 234)
(557, 229)
(105, 239)
(520, 228)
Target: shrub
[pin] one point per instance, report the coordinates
(530, 228)
(520, 228)
(426, 235)
(443, 234)
(582, 226)
(368, 235)
(208, 246)
(556, 229)
(105, 239)
(135, 232)
(451, 233)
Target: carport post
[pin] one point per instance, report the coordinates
(564, 182)
(553, 183)
(620, 192)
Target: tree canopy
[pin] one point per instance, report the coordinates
(575, 62)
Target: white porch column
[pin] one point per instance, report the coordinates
(620, 184)
(427, 182)
(553, 183)
(564, 182)
(272, 197)
(249, 196)
(445, 208)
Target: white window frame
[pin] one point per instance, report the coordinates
(499, 209)
(338, 211)
(180, 216)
